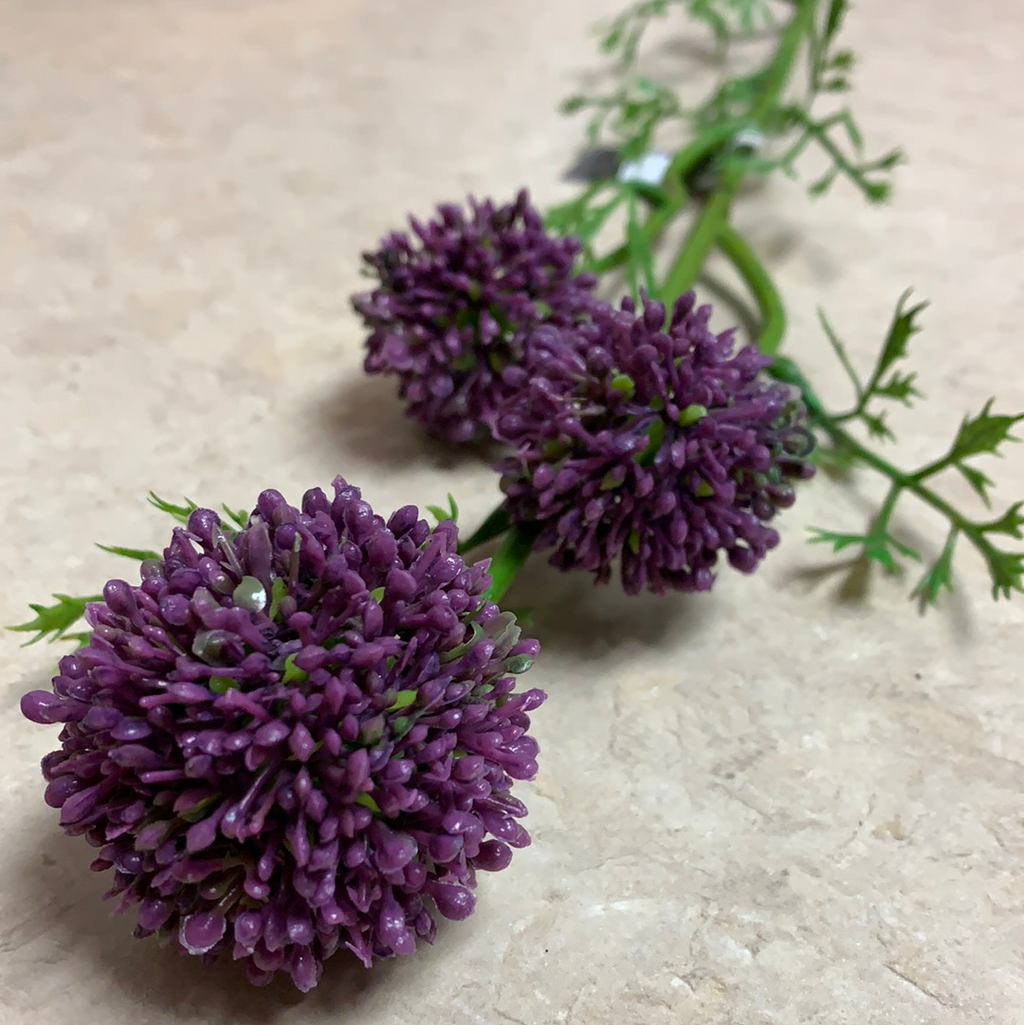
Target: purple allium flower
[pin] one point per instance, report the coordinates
(455, 303)
(657, 445)
(295, 737)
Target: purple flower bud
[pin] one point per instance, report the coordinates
(454, 902)
(264, 794)
(493, 856)
(202, 931)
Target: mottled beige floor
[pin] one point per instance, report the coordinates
(776, 804)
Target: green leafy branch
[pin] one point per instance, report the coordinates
(871, 176)
(637, 106)
(982, 434)
(54, 621)
(837, 134)
(830, 67)
(630, 115)
(734, 132)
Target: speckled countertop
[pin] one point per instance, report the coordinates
(777, 804)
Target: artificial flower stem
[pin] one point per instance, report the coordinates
(495, 525)
(701, 239)
(676, 194)
(757, 279)
(706, 229)
(510, 557)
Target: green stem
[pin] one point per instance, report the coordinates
(495, 525)
(885, 511)
(675, 190)
(713, 216)
(769, 302)
(510, 557)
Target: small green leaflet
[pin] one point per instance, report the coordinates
(292, 673)
(56, 619)
(838, 541)
(899, 387)
(937, 576)
(834, 19)
(593, 221)
(180, 512)
(875, 545)
(1006, 570)
(440, 514)
(877, 427)
(403, 699)
(1010, 522)
(238, 516)
(138, 554)
(903, 328)
(983, 433)
(977, 480)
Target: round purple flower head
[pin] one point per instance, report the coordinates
(295, 737)
(455, 303)
(655, 445)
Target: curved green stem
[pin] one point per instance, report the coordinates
(766, 295)
(510, 557)
(713, 216)
(702, 237)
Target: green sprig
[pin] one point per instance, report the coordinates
(740, 116)
(54, 622)
(978, 435)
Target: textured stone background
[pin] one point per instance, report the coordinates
(778, 804)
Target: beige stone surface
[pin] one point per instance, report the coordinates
(777, 804)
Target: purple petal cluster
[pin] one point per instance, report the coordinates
(455, 303)
(295, 737)
(656, 445)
